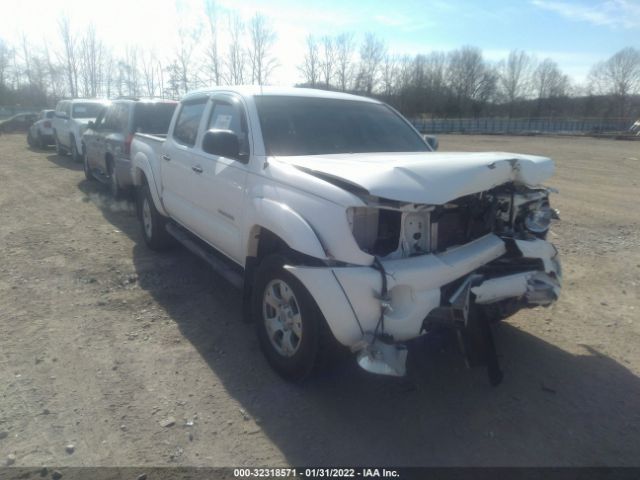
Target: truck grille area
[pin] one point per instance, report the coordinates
(457, 227)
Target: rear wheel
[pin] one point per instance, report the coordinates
(153, 223)
(114, 185)
(30, 139)
(287, 319)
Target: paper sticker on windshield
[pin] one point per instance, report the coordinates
(222, 122)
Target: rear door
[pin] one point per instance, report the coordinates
(62, 123)
(176, 163)
(91, 138)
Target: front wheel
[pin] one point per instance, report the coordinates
(153, 223)
(75, 155)
(287, 319)
(30, 140)
(85, 161)
(60, 151)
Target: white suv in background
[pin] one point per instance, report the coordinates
(70, 122)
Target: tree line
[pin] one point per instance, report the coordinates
(227, 50)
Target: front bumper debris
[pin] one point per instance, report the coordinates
(349, 297)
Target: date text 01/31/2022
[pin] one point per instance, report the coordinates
(315, 472)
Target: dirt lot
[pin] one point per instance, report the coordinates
(102, 340)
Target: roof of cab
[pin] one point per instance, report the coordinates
(257, 91)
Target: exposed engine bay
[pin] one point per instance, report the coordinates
(391, 230)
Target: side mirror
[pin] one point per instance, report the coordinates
(91, 125)
(61, 115)
(223, 143)
(432, 141)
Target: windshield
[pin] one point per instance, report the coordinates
(86, 110)
(314, 126)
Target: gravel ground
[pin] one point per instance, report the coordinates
(111, 354)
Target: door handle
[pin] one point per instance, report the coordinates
(166, 157)
(197, 168)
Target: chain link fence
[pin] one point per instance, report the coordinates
(526, 126)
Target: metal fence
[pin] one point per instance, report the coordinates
(493, 125)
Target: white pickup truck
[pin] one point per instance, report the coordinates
(343, 226)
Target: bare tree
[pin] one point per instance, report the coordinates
(372, 52)
(149, 72)
(390, 70)
(344, 48)
(26, 57)
(262, 38)
(328, 60)
(470, 79)
(618, 76)
(213, 62)
(68, 55)
(311, 67)
(514, 77)
(5, 55)
(55, 75)
(91, 50)
(236, 61)
(549, 81)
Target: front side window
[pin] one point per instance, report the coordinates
(228, 115)
(186, 127)
(315, 126)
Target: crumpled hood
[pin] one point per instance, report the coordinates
(431, 178)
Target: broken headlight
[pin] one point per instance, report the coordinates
(538, 219)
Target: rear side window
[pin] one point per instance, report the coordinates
(86, 110)
(116, 118)
(186, 128)
(49, 114)
(153, 118)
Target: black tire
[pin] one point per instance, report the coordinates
(40, 142)
(60, 151)
(75, 155)
(152, 222)
(114, 185)
(85, 164)
(30, 139)
(305, 360)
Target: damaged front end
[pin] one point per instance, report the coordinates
(459, 264)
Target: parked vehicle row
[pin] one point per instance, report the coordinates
(340, 223)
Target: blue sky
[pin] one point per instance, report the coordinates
(575, 33)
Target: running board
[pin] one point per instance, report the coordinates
(220, 264)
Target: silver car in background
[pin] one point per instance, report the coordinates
(106, 143)
(40, 134)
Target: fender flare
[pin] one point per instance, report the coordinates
(287, 224)
(140, 165)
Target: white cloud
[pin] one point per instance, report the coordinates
(610, 13)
